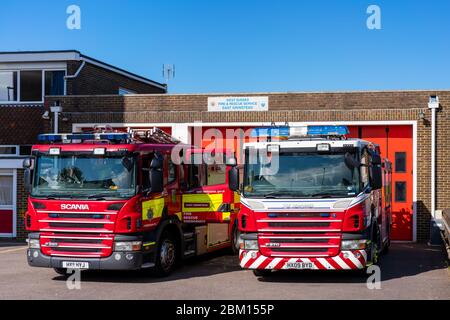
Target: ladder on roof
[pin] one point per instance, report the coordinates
(155, 135)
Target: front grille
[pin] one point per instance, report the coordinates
(77, 250)
(298, 215)
(299, 241)
(301, 250)
(75, 245)
(316, 244)
(76, 225)
(298, 224)
(75, 216)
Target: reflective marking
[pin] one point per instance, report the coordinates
(325, 263)
(257, 262)
(245, 259)
(273, 263)
(341, 262)
(355, 261)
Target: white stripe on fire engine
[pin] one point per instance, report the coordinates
(354, 260)
(325, 263)
(364, 254)
(273, 263)
(258, 262)
(245, 259)
(341, 262)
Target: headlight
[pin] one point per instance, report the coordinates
(353, 244)
(34, 244)
(251, 244)
(128, 246)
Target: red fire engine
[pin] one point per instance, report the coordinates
(312, 199)
(119, 201)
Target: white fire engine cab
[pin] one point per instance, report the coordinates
(312, 199)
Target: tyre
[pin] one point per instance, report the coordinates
(61, 271)
(374, 249)
(166, 255)
(235, 239)
(262, 272)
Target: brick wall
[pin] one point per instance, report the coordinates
(21, 206)
(94, 80)
(350, 106)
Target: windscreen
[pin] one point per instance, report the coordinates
(301, 175)
(79, 176)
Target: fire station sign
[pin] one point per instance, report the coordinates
(223, 104)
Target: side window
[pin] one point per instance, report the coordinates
(216, 174)
(146, 171)
(365, 168)
(400, 162)
(194, 176)
(400, 191)
(172, 172)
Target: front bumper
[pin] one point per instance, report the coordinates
(346, 260)
(117, 261)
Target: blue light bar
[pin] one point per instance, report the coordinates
(327, 130)
(60, 137)
(264, 132)
(299, 131)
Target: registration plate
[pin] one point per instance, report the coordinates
(75, 265)
(299, 265)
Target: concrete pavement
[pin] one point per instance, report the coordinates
(409, 271)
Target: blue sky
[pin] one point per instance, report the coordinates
(248, 45)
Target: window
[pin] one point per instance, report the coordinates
(8, 86)
(6, 190)
(123, 91)
(216, 174)
(400, 162)
(8, 150)
(54, 83)
(400, 191)
(365, 169)
(31, 85)
(172, 172)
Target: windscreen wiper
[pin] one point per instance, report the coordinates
(99, 196)
(327, 194)
(58, 196)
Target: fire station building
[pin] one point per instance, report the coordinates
(26, 78)
(411, 127)
(403, 123)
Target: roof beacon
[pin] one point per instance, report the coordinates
(283, 132)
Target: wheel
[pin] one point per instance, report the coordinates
(235, 239)
(375, 246)
(262, 272)
(166, 255)
(61, 271)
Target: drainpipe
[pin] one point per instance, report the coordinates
(56, 109)
(433, 105)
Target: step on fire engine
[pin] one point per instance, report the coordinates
(118, 201)
(312, 199)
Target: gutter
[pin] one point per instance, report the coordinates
(111, 68)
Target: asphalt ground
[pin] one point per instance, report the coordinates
(408, 271)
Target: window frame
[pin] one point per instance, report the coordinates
(5, 155)
(395, 162)
(406, 191)
(17, 87)
(43, 70)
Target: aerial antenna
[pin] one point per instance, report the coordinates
(168, 72)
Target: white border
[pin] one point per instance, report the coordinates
(76, 127)
(43, 70)
(12, 207)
